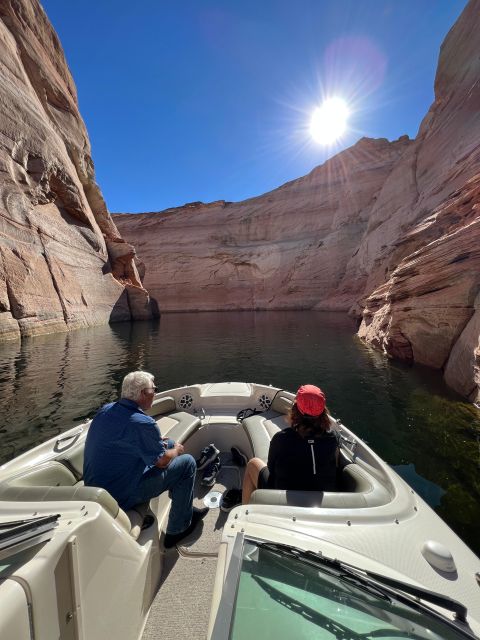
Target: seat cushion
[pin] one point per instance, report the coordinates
(260, 431)
(161, 406)
(178, 426)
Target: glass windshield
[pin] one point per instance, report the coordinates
(282, 598)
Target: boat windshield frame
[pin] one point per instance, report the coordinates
(408, 596)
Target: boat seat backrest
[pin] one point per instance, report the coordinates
(48, 474)
(52, 481)
(282, 402)
(260, 431)
(161, 406)
(178, 426)
(362, 490)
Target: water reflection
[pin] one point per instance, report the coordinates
(51, 383)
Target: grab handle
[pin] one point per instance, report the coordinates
(72, 436)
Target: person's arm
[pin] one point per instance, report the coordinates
(169, 455)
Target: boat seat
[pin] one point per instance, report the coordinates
(52, 481)
(281, 403)
(260, 429)
(361, 490)
(166, 404)
(178, 426)
(140, 517)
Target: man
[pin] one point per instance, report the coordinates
(126, 455)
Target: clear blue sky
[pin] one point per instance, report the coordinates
(207, 99)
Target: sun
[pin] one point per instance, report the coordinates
(329, 121)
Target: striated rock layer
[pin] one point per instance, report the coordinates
(63, 263)
(422, 290)
(387, 231)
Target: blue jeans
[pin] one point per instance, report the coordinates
(178, 479)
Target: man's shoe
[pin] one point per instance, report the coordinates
(208, 454)
(211, 472)
(238, 457)
(230, 499)
(171, 539)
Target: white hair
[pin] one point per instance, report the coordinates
(134, 382)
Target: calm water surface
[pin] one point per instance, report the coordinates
(49, 384)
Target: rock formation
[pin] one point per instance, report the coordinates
(63, 263)
(387, 231)
(423, 288)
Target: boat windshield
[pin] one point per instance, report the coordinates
(280, 596)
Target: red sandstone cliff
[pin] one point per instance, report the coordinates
(389, 231)
(63, 263)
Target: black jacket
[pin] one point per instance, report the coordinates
(303, 464)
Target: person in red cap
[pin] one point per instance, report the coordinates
(302, 457)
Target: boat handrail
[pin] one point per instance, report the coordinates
(70, 436)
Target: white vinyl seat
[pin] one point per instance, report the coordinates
(359, 489)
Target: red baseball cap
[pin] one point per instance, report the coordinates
(310, 400)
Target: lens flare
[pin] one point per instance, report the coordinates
(329, 121)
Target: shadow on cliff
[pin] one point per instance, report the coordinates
(134, 305)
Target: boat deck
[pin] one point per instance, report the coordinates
(181, 608)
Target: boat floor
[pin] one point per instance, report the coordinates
(181, 608)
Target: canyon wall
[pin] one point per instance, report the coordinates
(286, 249)
(63, 263)
(422, 301)
(388, 231)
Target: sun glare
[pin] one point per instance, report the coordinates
(329, 121)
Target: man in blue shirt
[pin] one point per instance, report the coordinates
(126, 455)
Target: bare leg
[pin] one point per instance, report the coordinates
(250, 479)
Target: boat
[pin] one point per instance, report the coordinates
(369, 560)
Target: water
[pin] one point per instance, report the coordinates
(51, 383)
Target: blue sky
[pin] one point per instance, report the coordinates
(209, 99)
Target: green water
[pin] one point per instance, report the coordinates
(49, 384)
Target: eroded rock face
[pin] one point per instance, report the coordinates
(63, 263)
(422, 291)
(426, 310)
(387, 231)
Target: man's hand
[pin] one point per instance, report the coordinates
(169, 454)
